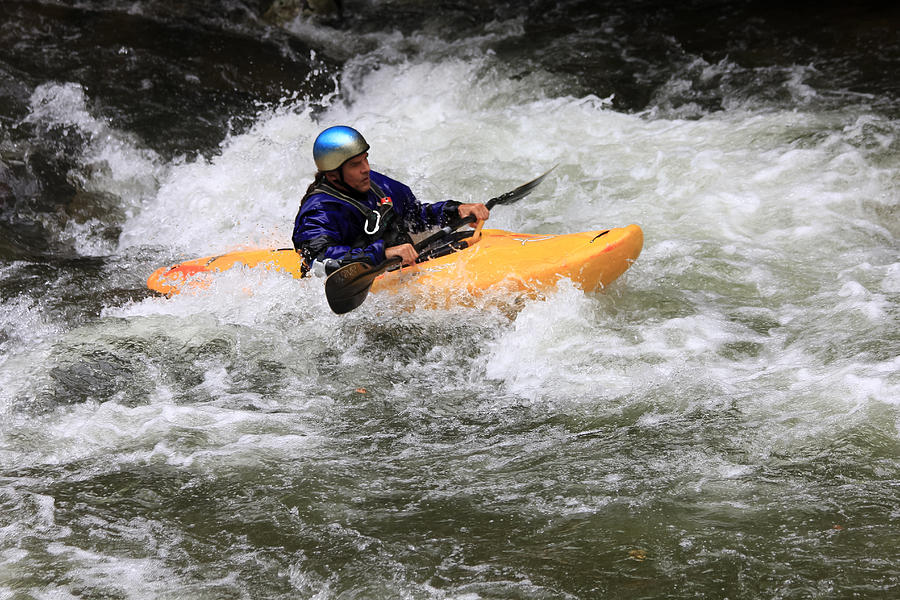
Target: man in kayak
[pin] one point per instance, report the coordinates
(351, 213)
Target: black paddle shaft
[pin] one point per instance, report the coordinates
(347, 287)
(507, 198)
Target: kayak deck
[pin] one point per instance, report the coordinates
(499, 259)
(522, 261)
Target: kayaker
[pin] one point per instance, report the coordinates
(351, 213)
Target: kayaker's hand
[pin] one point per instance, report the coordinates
(406, 252)
(479, 211)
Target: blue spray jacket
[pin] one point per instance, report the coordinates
(328, 227)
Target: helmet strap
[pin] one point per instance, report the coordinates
(339, 182)
(342, 185)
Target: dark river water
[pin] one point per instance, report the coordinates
(721, 422)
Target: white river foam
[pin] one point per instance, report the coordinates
(764, 304)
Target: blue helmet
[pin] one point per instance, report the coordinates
(336, 145)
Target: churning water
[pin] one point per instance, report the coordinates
(722, 422)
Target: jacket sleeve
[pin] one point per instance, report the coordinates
(418, 217)
(440, 213)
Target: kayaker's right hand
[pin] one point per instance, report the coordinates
(406, 252)
(477, 210)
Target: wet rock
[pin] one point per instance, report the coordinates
(284, 11)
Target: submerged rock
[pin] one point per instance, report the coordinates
(283, 11)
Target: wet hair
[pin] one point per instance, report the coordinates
(319, 178)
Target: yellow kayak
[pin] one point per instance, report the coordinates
(498, 259)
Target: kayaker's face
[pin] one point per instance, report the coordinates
(356, 173)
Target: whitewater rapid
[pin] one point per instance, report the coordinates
(736, 388)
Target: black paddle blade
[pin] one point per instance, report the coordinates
(348, 287)
(518, 193)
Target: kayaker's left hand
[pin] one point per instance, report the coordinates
(405, 252)
(479, 211)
